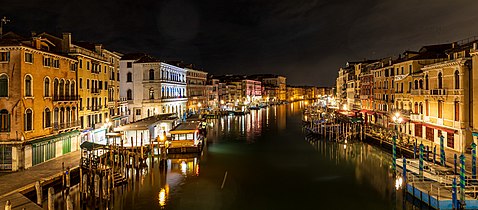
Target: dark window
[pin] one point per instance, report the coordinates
(81, 83)
(429, 134)
(3, 86)
(129, 77)
(4, 121)
(426, 82)
(4, 56)
(28, 120)
(47, 118)
(440, 81)
(129, 64)
(28, 85)
(151, 74)
(28, 57)
(450, 140)
(418, 130)
(129, 94)
(47, 87)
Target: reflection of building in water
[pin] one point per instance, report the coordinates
(177, 171)
(370, 163)
(281, 118)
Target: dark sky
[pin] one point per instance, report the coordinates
(307, 41)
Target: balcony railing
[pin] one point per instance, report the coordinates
(454, 92)
(65, 98)
(416, 117)
(419, 92)
(438, 92)
(66, 125)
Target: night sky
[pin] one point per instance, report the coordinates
(307, 41)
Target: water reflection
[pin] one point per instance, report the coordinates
(268, 162)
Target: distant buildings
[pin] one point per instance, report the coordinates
(432, 88)
(57, 92)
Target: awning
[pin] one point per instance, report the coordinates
(47, 138)
(448, 130)
(91, 146)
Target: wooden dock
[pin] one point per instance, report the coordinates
(19, 201)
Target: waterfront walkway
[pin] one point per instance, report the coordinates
(18, 181)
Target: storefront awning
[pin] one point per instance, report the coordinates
(91, 146)
(448, 130)
(47, 138)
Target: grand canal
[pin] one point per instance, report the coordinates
(264, 161)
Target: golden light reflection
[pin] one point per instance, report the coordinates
(162, 197)
(184, 168)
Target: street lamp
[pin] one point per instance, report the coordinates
(397, 119)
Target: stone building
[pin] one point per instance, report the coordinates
(151, 86)
(38, 101)
(196, 89)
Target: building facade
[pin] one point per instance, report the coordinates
(152, 87)
(38, 102)
(196, 89)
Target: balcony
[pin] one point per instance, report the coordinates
(416, 117)
(66, 125)
(65, 98)
(95, 90)
(454, 92)
(438, 92)
(419, 92)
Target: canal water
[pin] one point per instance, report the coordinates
(263, 160)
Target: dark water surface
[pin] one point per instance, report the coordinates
(270, 165)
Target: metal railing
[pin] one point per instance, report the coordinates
(65, 125)
(65, 98)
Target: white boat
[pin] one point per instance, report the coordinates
(432, 172)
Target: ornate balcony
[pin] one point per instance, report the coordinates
(65, 98)
(438, 92)
(66, 125)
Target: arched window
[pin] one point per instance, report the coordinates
(129, 94)
(426, 82)
(3, 85)
(440, 81)
(73, 90)
(67, 88)
(28, 85)
(421, 108)
(420, 83)
(129, 77)
(47, 118)
(55, 88)
(46, 87)
(62, 88)
(4, 121)
(416, 108)
(28, 120)
(457, 79)
(151, 74)
(151, 93)
(416, 84)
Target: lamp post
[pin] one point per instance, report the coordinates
(397, 119)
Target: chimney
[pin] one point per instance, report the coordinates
(453, 45)
(36, 43)
(66, 43)
(474, 46)
(98, 48)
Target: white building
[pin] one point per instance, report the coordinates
(151, 87)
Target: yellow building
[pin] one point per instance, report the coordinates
(444, 96)
(98, 86)
(38, 102)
